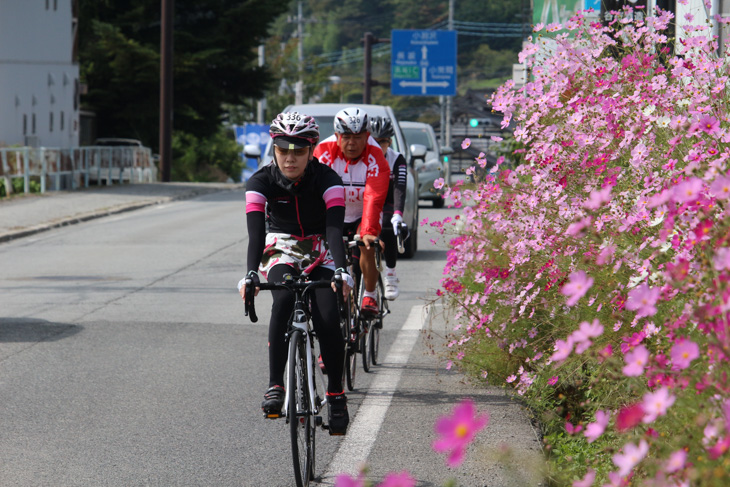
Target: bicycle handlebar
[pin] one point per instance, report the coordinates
(292, 285)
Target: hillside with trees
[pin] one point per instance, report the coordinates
(217, 80)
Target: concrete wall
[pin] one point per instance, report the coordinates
(38, 77)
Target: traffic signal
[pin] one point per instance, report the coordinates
(473, 122)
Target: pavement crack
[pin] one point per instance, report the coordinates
(161, 278)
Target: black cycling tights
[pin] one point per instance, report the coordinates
(326, 323)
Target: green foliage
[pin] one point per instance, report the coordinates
(214, 62)
(333, 27)
(211, 159)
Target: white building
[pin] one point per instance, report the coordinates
(39, 74)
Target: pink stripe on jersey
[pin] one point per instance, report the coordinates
(335, 196)
(255, 202)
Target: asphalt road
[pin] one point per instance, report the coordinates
(125, 360)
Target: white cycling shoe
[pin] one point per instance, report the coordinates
(391, 285)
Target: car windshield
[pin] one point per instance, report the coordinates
(418, 136)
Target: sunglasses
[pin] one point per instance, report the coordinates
(297, 152)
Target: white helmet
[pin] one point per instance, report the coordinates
(351, 121)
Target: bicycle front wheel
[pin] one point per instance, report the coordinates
(301, 421)
(374, 346)
(365, 344)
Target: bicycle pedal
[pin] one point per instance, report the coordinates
(272, 415)
(318, 421)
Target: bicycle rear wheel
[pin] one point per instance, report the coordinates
(301, 421)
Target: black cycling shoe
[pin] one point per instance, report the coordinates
(273, 402)
(338, 416)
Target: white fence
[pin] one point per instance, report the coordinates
(58, 169)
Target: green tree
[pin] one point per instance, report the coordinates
(214, 62)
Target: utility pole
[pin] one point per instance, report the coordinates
(368, 40)
(168, 7)
(447, 135)
(299, 97)
(261, 103)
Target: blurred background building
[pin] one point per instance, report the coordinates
(39, 73)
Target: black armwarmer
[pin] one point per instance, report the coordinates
(256, 223)
(401, 177)
(335, 221)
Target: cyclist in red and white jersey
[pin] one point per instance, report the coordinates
(365, 173)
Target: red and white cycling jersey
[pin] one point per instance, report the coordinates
(365, 180)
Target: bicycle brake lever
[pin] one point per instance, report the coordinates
(248, 306)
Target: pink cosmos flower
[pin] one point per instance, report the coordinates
(629, 417)
(458, 431)
(572, 430)
(638, 153)
(656, 404)
(597, 198)
(553, 380)
(636, 361)
(688, 190)
(606, 254)
(676, 461)
(563, 349)
(721, 260)
(344, 480)
(594, 430)
(439, 183)
(586, 481)
(588, 330)
(631, 456)
(719, 448)
(402, 479)
(577, 286)
(642, 299)
(466, 143)
(709, 125)
(683, 353)
(720, 187)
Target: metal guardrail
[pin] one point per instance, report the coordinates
(71, 168)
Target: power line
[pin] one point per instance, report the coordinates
(464, 28)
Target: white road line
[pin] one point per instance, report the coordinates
(355, 448)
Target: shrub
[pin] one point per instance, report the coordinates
(595, 273)
(206, 160)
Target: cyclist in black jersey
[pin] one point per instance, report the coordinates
(304, 202)
(381, 128)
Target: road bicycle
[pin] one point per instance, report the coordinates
(305, 396)
(372, 324)
(364, 330)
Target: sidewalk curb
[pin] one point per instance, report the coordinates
(83, 217)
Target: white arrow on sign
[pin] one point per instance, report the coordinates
(424, 84)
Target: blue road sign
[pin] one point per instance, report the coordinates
(251, 133)
(423, 62)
